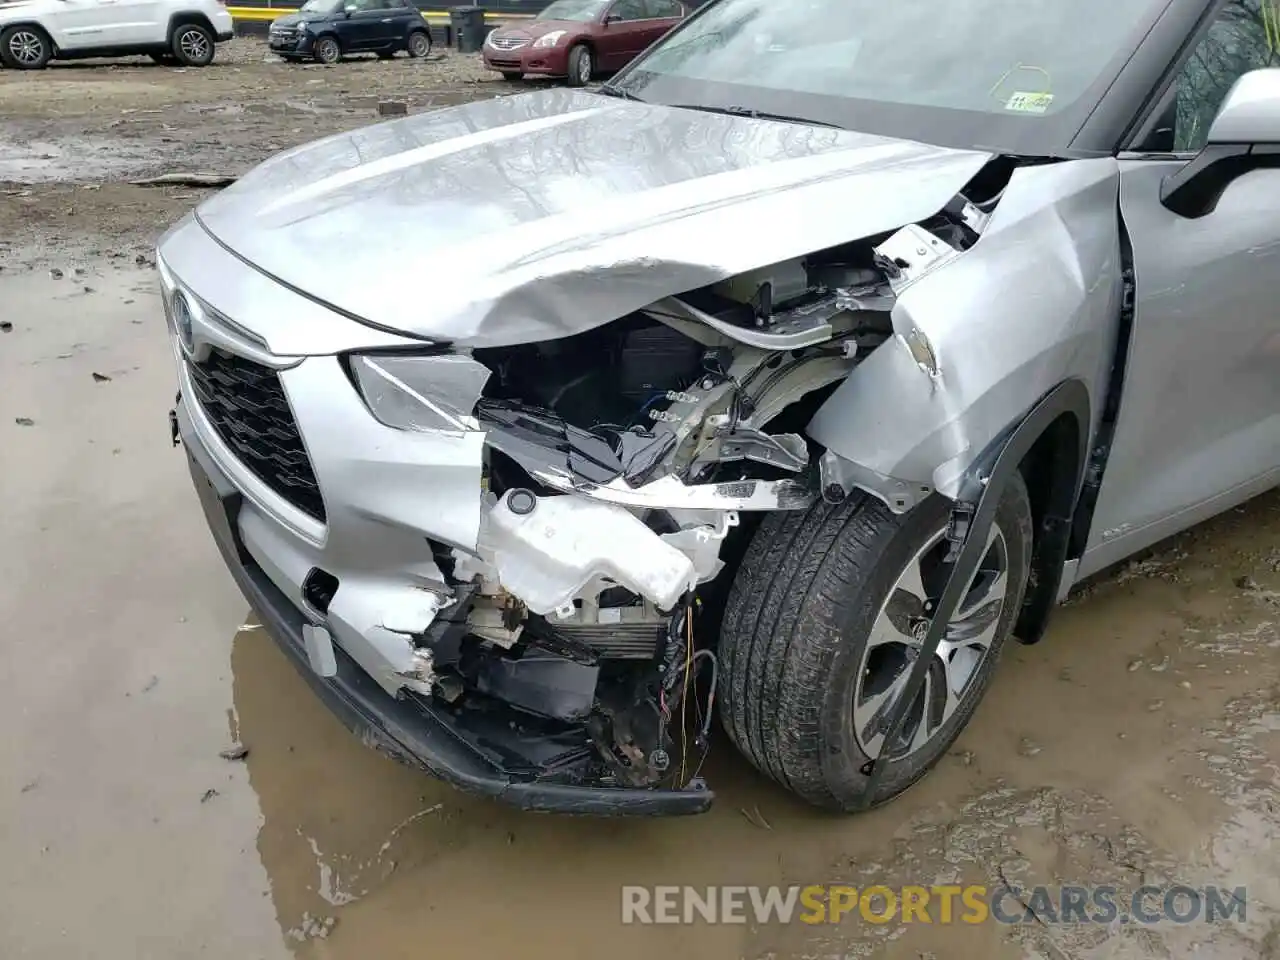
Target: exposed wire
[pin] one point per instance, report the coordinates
(684, 695)
(705, 728)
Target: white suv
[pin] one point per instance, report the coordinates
(169, 31)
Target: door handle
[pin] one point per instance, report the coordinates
(386, 19)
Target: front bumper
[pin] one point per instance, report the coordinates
(223, 26)
(482, 754)
(387, 495)
(298, 44)
(550, 62)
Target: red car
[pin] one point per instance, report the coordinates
(579, 38)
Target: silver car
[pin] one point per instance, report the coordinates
(790, 373)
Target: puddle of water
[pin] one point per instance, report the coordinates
(76, 158)
(375, 859)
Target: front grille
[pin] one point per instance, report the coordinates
(508, 43)
(246, 404)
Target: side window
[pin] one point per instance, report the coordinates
(1245, 36)
(665, 9)
(629, 10)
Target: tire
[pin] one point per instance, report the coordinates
(581, 65)
(512, 76)
(326, 49)
(419, 44)
(164, 59)
(192, 45)
(25, 47)
(797, 643)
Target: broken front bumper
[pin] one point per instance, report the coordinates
(485, 754)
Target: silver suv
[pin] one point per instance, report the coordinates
(790, 374)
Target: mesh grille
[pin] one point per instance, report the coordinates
(245, 403)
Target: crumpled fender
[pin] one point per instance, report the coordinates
(1033, 303)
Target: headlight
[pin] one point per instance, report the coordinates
(549, 39)
(421, 393)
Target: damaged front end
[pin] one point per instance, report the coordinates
(622, 468)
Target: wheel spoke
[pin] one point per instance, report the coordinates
(887, 629)
(870, 715)
(912, 582)
(979, 628)
(958, 665)
(990, 580)
(987, 587)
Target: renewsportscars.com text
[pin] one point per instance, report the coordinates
(936, 904)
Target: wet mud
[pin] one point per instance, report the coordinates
(73, 137)
(1137, 745)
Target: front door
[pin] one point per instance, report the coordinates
(1199, 426)
(626, 25)
(85, 24)
(664, 15)
(366, 26)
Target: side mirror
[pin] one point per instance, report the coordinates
(612, 18)
(350, 8)
(1244, 136)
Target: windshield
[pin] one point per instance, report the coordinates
(579, 10)
(322, 6)
(961, 72)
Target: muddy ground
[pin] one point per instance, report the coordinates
(73, 136)
(1138, 744)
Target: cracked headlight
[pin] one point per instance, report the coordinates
(420, 393)
(549, 39)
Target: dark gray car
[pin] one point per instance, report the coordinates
(329, 30)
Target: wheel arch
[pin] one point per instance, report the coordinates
(585, 40)
(34, 25)
(1053, 470)
(188, 17)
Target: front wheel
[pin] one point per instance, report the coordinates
(824, 620)
(25, 48)
(419, 44)
(326, 50)
(581, 66)
(193, 45)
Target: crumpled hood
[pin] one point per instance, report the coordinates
(541, 215)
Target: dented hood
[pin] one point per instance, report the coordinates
(541, 215)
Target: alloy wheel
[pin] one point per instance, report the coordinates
(897, 636)
(26, 47)
(327, 50)
(194, 45)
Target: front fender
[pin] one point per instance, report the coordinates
(1034, 302)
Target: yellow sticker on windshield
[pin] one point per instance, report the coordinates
(1029, 102)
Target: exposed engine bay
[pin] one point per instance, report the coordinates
(622, 466)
